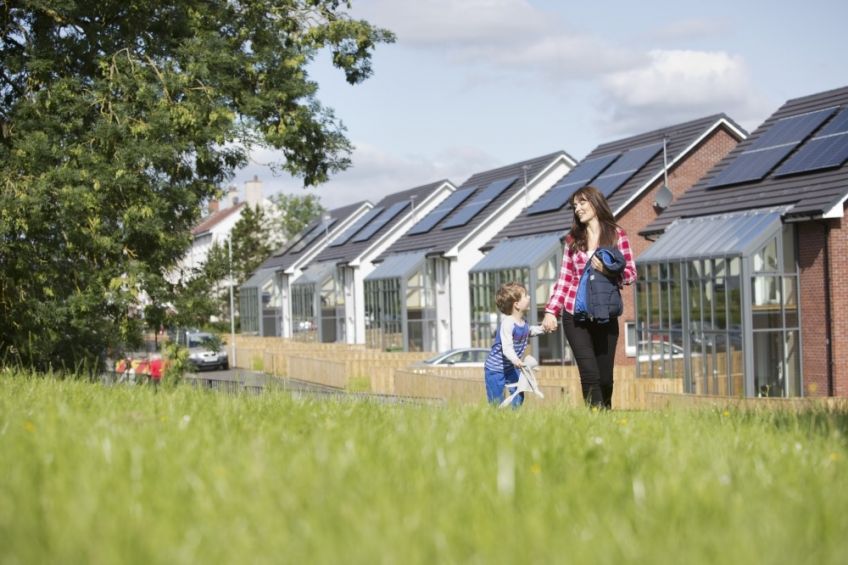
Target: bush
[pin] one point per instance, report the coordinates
(176, 364)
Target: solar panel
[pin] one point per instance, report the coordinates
(828, 149)
(464, 216)
(312, 235)
(751, 165)
(577, 178)
(446, 207)
(625, 167)
(770, 148)
(384, 219)
(358, 225)
(300, 235)
(839, 124)
(471, 209)
(496, 188)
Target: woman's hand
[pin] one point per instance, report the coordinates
(598, 265)
(549, 323)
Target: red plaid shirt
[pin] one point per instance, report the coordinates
(564, 294)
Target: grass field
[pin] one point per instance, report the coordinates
(93, 474)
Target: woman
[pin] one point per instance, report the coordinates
(593, 343)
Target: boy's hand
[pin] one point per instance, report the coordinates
(519, 364)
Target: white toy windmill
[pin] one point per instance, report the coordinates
(526, 381)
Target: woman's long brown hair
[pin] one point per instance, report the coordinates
(578, 239)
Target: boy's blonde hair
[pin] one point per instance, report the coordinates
(508, 294)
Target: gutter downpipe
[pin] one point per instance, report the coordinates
(827, 301)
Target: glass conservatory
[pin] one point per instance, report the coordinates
(534, 262)
(313, 300)
(260, 303)
(717, 306)
(400, 308)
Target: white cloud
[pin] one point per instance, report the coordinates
(439, 23)
(676, 86)
(691, 29)
(501, 35)
(375, 173)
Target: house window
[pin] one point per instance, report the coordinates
(630, 339)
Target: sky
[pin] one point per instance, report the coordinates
(472, 85)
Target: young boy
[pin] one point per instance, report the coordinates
(511, 340)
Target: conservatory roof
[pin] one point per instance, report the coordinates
(259, 278)
(398, 266)
(715, 236)
(519, 252)
(316, 273)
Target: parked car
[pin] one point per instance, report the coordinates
(658, 350)
(206, 352)
(462, 357)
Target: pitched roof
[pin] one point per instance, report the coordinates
(439, 239)
(809, 194)
(353, 249)
(214, 219)
(682, 139)
(289, 254)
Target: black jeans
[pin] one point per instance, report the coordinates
(593, 346)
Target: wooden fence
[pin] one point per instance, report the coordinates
(659, 400)
(560, 385)
(351, 367)
(357, 368)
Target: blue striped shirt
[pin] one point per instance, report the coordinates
(510, 343)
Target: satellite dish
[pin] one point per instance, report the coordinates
(663, 198)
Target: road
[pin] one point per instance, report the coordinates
(242, 380)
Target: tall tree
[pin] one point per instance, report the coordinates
(295, 213)
(118, 118)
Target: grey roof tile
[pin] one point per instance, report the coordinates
(680, 139)
(353, 249)
(439, 240)
(809, 194)
(286, 257)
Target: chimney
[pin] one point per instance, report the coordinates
(230, 198)
(253, 191)
(212, 207)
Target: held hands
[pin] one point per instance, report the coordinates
(549, 323)
(598, 265)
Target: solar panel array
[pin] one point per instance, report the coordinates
(624, 168)
(384, 218)
(495, 189)
(311, 236)
(578, 177)
(770, 148)
(828, 149)
(446, 207)
(358, 225)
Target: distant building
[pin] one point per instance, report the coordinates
(222, 216)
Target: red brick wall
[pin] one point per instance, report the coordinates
(642, 212)
(811, 242)
(839, 304)
(813, 307)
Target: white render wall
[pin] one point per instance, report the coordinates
(467, 253)
(362, 266)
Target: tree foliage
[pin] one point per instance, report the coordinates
(117, 120)
(295, 213)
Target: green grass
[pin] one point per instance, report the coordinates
(92, 474)
(358, 384)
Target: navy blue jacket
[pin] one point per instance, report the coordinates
(599, 296)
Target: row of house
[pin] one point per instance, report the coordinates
(739, 243)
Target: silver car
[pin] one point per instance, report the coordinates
(205, 351)
(465, 357)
